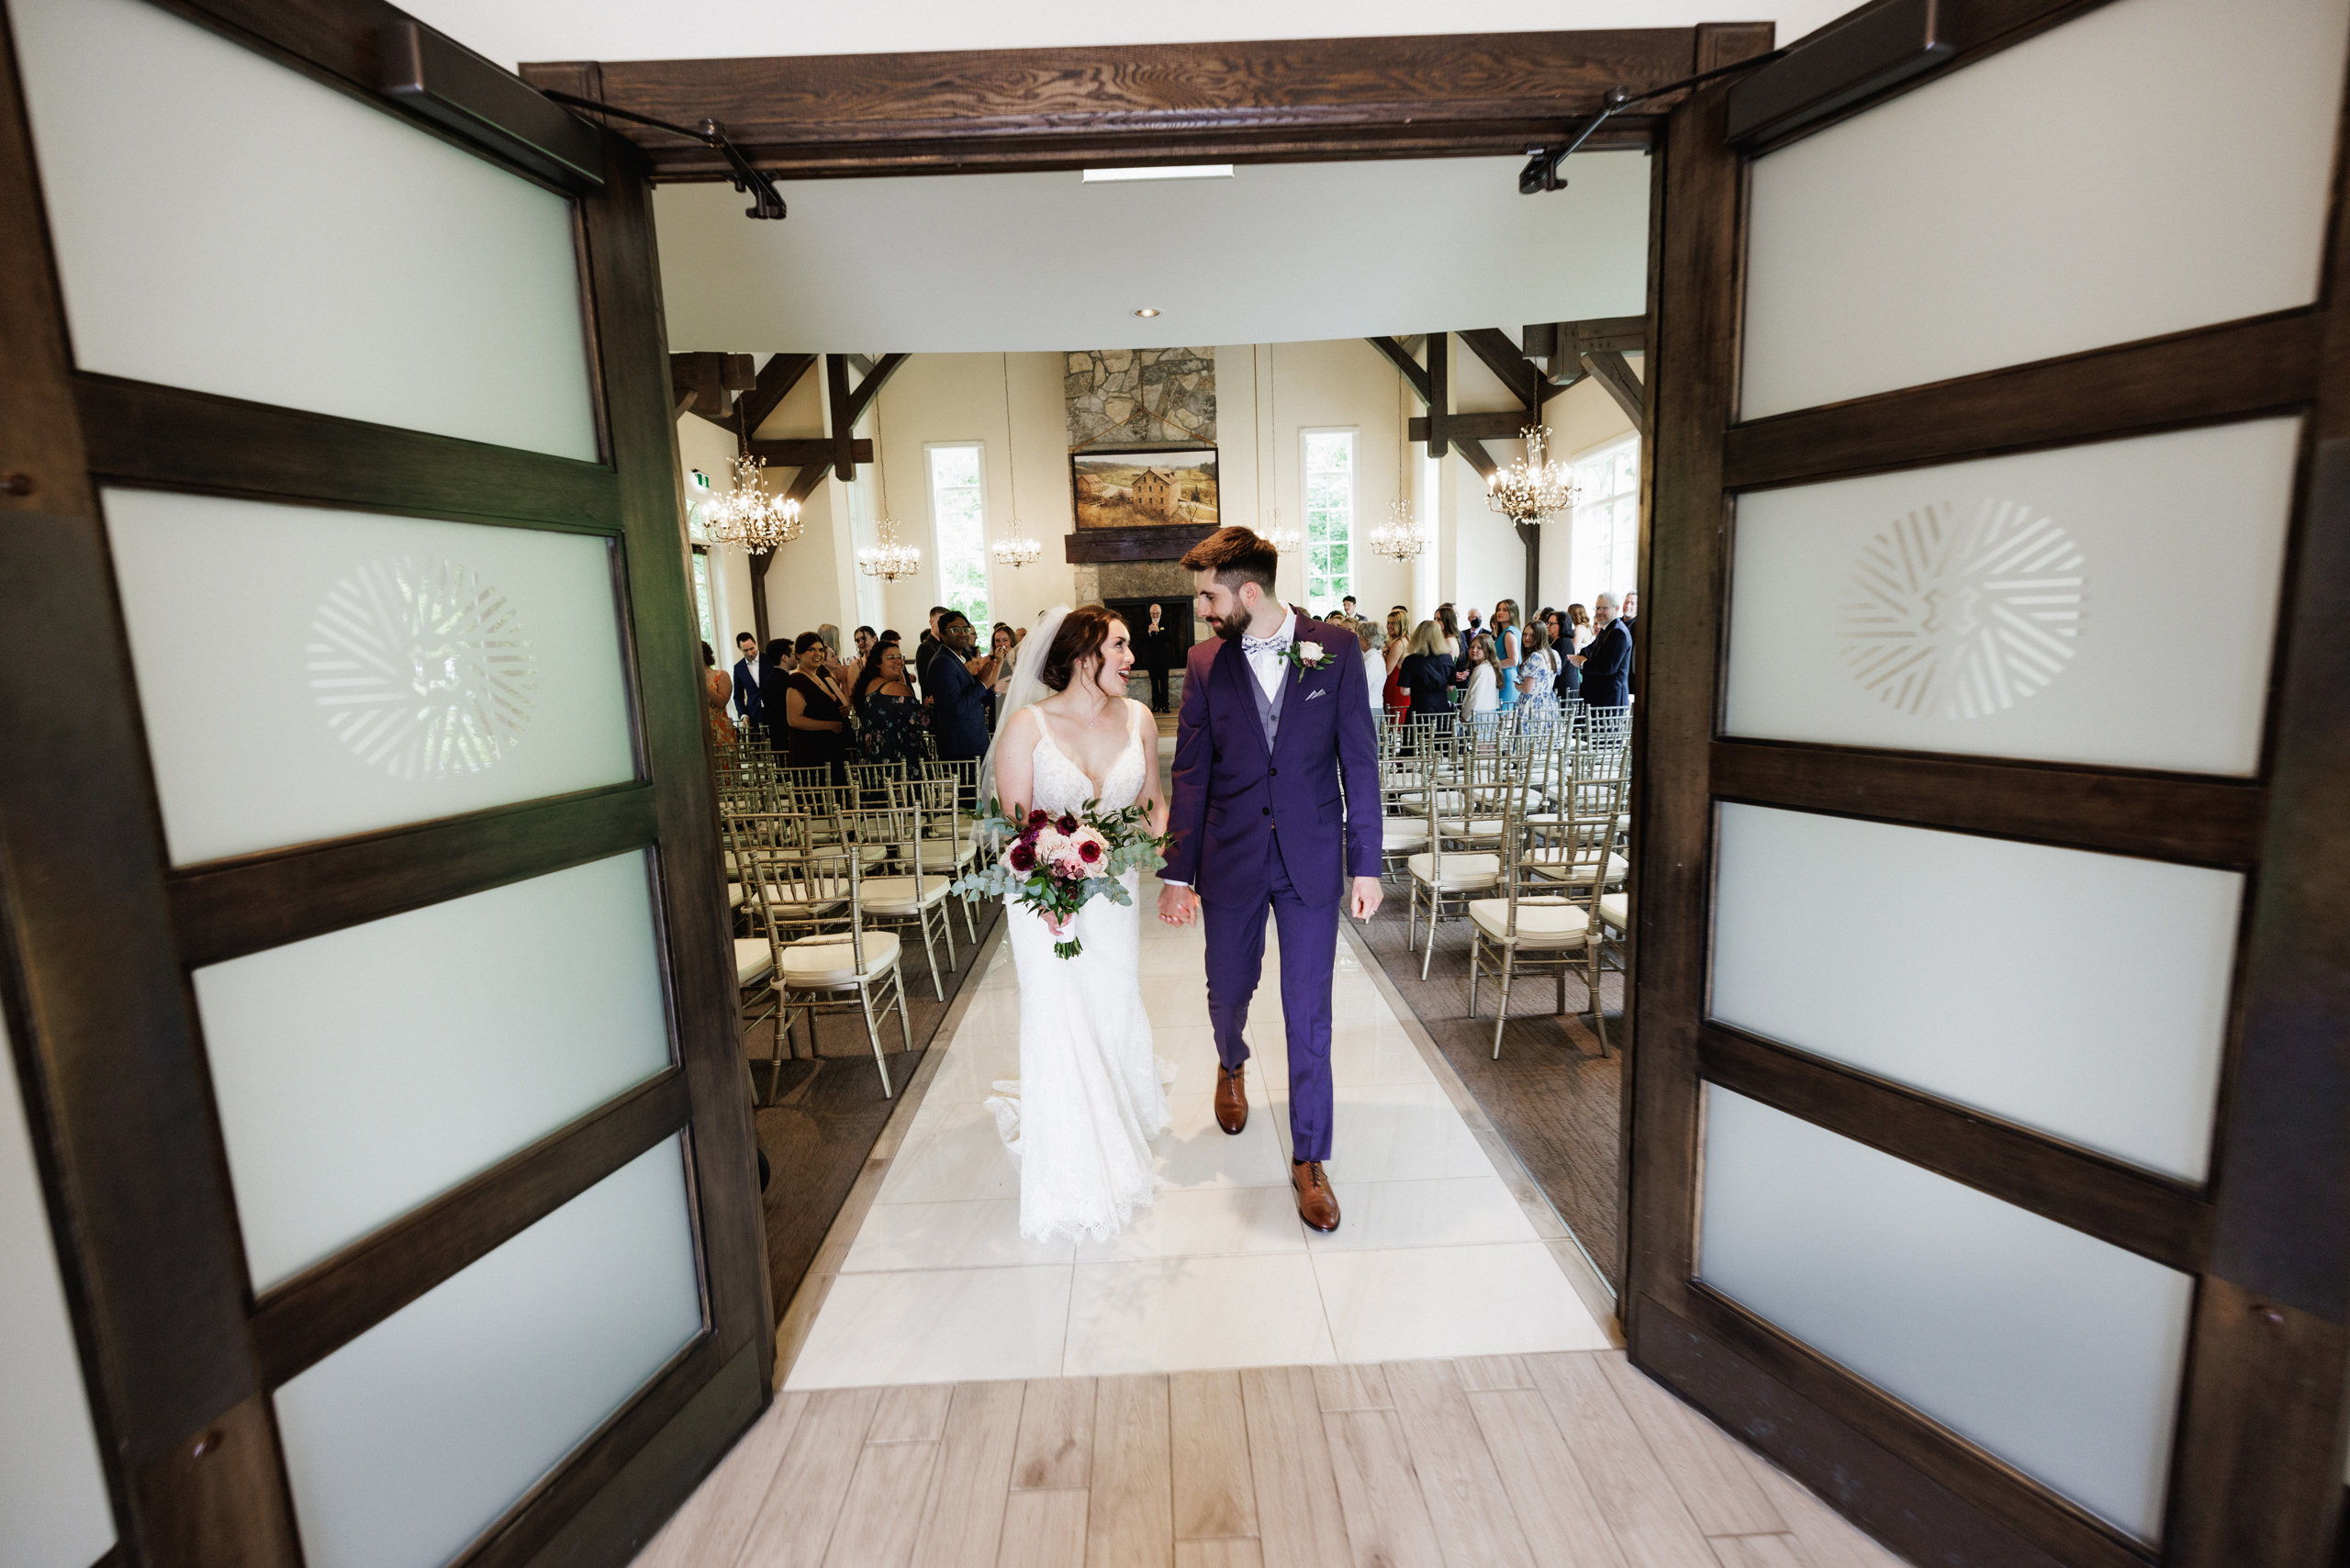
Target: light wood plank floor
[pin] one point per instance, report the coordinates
(1573, 1459)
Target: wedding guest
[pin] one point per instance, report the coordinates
(1575, 635)
(776, 665)
(1537, 667)
(1426, 670)
(927, 646)
(958, 719)
(1507, 645)
(891, 717)
(815, 710)
(1449, 623)
(718, 686)
(840, 670)
(1374, 664)
(1607, 661)
(746, 683)
(1154, 646)
(864, 635)
(1392, 692)
(1348, 606)
(1483, 694)
(1002, 640)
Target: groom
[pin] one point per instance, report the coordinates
(1275, 716)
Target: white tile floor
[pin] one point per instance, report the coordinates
(1436, 1256)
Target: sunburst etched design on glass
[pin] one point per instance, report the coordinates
(1961, 620)
(422, 667)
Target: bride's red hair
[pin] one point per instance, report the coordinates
(1079, 641)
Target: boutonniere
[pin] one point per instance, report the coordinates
(1303, 656)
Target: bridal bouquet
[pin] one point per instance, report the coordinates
(1054, 864)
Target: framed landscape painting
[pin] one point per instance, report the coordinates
(1161, 487)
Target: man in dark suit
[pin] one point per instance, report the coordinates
(959, 714)
(927, 646)
(1156, 644)
(747, 681)
(1606, 661)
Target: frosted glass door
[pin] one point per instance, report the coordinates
(2048, 199)
(2053, 1350)
(317, 253)
(406, 1443)
(308, 673)
(1984, 731)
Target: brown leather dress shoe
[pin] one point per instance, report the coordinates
(1317, 1205)
(1231, 1099)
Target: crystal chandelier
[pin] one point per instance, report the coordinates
(1282, 538)
(1397, 538)
(890, 559)
(1017, 550)
(747, 515)
(1531, 489)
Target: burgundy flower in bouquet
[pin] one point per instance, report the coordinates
(1054, 864)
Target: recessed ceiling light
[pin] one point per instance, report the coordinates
(1147, 311)
(1161, 171)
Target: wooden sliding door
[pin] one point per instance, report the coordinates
(1989, 1169)
(366, 968)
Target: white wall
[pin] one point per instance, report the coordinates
(703, 445)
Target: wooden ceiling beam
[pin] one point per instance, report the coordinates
(1502, 355)
(978, 111)
(777, 377)
(1608, 367)
(705, 383)
(1407, 361)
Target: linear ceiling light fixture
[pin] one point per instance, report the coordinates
(1160, 171)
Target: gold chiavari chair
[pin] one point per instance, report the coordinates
(910, 888)
(849, 966)
(1523, 930)
(1463, 857)
(945, 827)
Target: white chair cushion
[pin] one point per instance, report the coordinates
(1398, 833)
(895, 895)
(752, 961)
(735, 895)
(1615, 910)
(1539, 925)
(817, 962)
(1461, 872)
(1572, 866)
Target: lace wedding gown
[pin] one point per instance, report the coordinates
(1090, 1095)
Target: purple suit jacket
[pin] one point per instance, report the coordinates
(1229, 795)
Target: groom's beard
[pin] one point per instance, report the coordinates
(1228, 629)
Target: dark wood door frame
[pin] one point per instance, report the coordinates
(98, 931)
(993, 111)
(2256, 1467)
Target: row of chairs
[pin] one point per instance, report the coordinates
(833, 880)
(1520, 826)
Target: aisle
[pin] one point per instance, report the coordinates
(1439, 1255)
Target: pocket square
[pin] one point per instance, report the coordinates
(1324, 691)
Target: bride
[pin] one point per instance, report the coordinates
(1090, 1095)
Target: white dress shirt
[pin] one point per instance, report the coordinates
(1266, 663)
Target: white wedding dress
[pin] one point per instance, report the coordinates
(1091, 1094)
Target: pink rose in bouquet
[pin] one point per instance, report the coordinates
(1054, 864)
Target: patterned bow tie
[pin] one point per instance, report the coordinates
(1272, 645)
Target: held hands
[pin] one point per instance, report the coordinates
(1177, 907)
(1364, 902)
